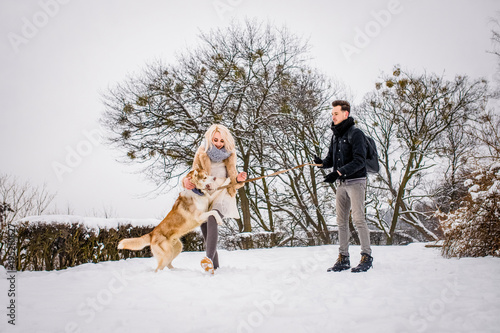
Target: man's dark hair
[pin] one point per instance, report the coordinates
(344, 105)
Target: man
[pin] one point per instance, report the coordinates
(347, 157)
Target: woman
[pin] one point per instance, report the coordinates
(217, 156)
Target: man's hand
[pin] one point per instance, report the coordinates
(187, 184)
(331, 177)
(317, 160)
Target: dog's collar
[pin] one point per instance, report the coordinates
(195, 190)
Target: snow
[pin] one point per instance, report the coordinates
(495, 188)
(474, 188)
(410, 289)
(494, 166)
(90, 222)
(468, 182)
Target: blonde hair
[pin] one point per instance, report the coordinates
(225, 135)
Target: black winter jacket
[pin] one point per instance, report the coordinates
(347, 157)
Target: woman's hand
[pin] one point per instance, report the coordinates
(187, 184)
(242, 176)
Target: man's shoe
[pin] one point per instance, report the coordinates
(342, 264)
(365, 263)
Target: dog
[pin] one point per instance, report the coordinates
(190, 210)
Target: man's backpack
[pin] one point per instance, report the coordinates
(371, 152)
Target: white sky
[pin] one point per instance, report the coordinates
(68, 53)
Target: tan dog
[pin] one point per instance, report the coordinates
(190, 210)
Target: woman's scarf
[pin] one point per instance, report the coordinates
(217, 155)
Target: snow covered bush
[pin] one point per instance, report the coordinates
(473, 230)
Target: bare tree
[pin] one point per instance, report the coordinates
(18, 200)
(300, 198)
(410, 117)
(22, 199)
(495, 36)
(238, 77)
(471, 223)
(107, 211)
(458, 146)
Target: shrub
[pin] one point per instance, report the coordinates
(52, 244)
(473, 230)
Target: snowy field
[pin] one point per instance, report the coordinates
(410, 289)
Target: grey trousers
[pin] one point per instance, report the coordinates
(211, 235)
(351, 195)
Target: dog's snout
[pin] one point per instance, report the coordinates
(215, 178)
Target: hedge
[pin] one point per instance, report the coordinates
(46, 246)
(54, 246)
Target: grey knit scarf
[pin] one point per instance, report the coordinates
(217, 155)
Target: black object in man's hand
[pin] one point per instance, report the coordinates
(317, 160)
(331, 177)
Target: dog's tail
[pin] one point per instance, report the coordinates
(135, 244)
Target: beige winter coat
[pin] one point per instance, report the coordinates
(226, 201)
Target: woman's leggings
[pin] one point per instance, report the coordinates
(210, 235)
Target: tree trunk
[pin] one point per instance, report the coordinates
(269, 206)
(245, 209)
(399, 199)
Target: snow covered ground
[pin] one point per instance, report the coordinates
(410, 289)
